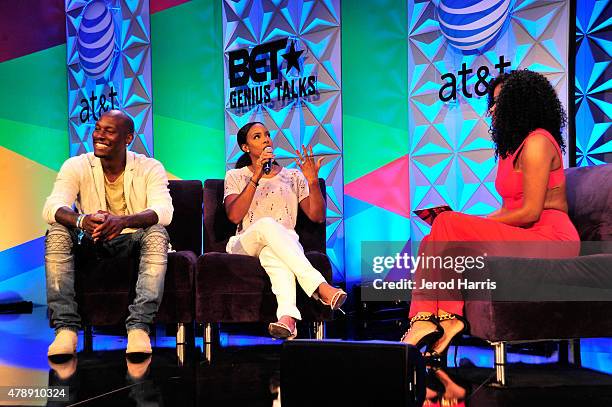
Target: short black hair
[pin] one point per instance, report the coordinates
(126, 121)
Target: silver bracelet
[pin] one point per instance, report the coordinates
(79, 222)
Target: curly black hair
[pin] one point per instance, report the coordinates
(527, 101)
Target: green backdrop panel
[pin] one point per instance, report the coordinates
(34, 88)
(46, 146)
(187, 72)
(186, 155)
(374, 87)
(369, 144)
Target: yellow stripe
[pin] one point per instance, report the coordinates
(24, 186)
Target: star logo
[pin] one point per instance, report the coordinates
(292, 58)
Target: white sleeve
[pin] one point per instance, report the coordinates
(158, 194)
(64, 193)
(231, 185)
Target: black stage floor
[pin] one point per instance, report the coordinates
(250, 375)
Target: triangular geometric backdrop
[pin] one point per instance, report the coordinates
(313, 28)
(451, 151)
(593, 91)
(122, 29)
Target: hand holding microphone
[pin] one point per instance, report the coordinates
(267, 164)
(263, 165)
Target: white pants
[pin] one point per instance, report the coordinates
(282, 256)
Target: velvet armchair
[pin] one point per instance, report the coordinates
(235, 288)
(104, 289)
(579, 290)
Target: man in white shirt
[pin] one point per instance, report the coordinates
(122, 203)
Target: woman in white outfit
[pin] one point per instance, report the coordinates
(265, 207)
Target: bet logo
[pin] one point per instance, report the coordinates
(262, 59)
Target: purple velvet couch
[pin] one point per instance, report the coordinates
(104, 289)
(587, 280)
(235, 288)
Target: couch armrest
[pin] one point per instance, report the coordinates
(583, 278)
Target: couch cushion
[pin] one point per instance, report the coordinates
(185, 229)
(179, 293)
(235, 288)
(105, 289)
(543, 299)
(218, 229)
(522, 321)
(589, 198)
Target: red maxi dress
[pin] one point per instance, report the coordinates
(553, 225)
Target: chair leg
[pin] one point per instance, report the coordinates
(319, 328)
(208, 338)
(500, 364)
(180, 343)
(574, 352)
(564, 349)
(569, 353)
(88, 338)
(180, 334)
(180, 354)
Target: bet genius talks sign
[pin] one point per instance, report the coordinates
(256, 76)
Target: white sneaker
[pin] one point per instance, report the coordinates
(65, 343)
(138, 341)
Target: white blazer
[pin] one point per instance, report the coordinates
(80, 181)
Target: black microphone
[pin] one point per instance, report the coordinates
(267, 165)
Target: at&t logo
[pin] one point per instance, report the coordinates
(96, 39)
(472, 25)
(96, 44)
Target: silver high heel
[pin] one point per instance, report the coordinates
(336, 302)
(280, 330)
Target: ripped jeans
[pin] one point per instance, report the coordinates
(151, 244)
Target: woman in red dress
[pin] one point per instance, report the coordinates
(527, 118)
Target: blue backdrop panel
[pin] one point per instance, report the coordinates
(593, 91)
(109, 66)
(454, 48)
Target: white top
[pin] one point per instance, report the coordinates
(80, 181)
(277, 197)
